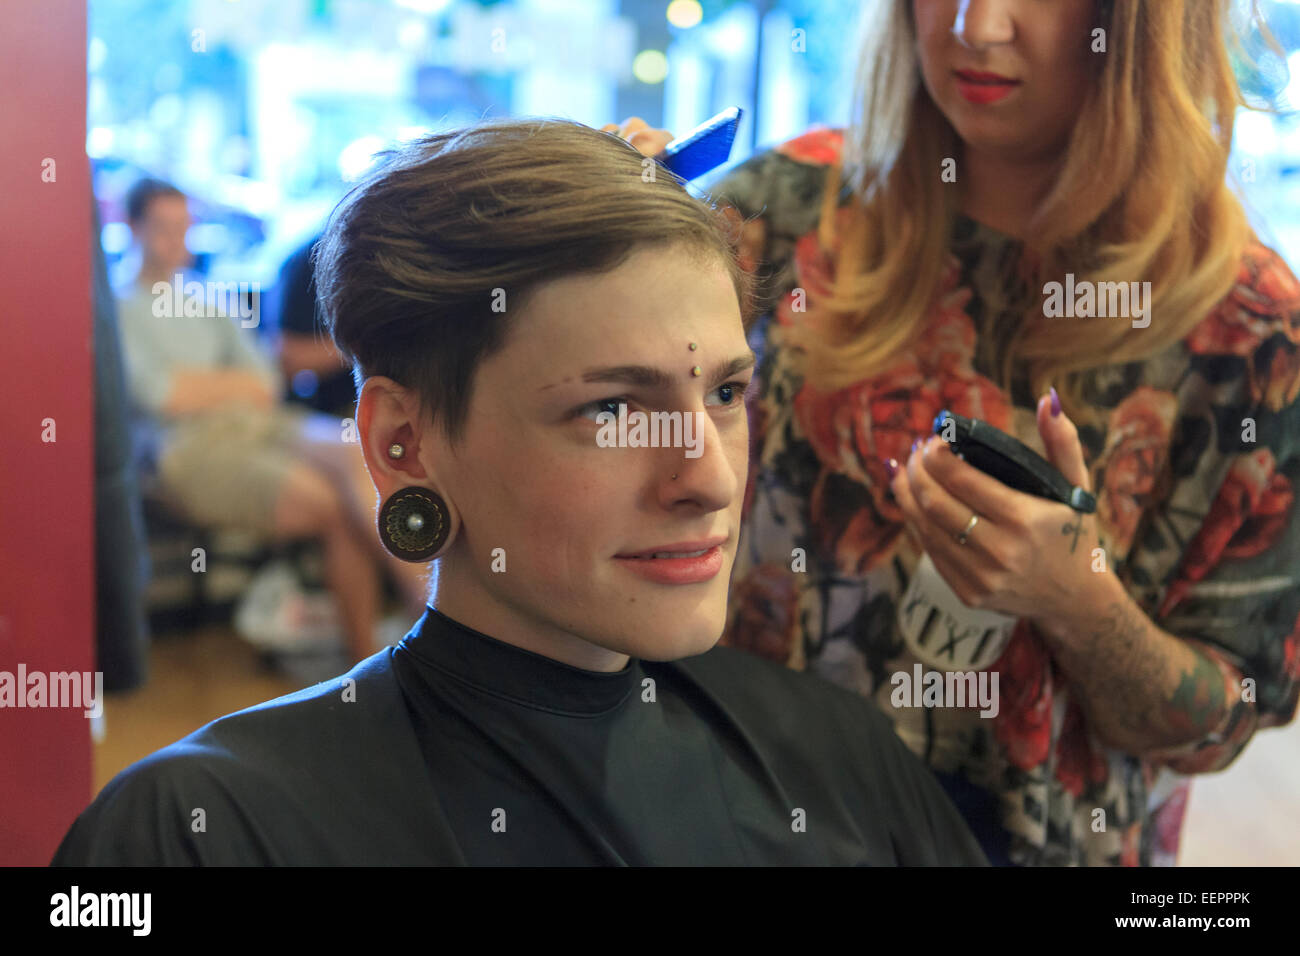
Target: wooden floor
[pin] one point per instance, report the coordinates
(1248, 815)
(193, 678)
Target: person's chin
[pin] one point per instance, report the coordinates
(671, 639)
(986, 133)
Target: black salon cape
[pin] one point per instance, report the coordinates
(455, 748)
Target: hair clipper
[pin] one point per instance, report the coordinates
(1010, 461)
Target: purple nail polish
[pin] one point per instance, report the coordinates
(1056, 403)
(891, 466)
(915, 442)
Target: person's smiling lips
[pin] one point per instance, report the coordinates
(679, 562)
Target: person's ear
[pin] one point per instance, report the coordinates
(417, 519)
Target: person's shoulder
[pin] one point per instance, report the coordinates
(307, 726)
(1261, 310)
(781, 167)
(131, 296)
(254, 777)
(297, 265)
(1266, 275)
(820, 146)
(158, 810)
(753, 682)
(839, 740)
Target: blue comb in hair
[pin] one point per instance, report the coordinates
(706, 147)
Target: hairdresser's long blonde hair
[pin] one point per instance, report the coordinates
(1141, 195)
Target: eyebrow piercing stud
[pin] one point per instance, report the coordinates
(695, 370)
(694, 346)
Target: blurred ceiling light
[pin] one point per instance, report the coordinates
(424, 6)
(96, 54)
(729, 39)
(115, 237)
(412, 34)
(99, 142)
(685, 13)
(168, 78)
(1291, 94)
(207, 237)
(357, 156)
(166, 110)
(650, 66)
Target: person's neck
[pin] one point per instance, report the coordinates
(462, 600)
(1003, 193)
(151, 272)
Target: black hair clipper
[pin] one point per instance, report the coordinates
(1010, 461)
(704, 148)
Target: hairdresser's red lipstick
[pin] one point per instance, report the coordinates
(981, 88)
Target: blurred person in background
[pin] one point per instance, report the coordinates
(224, 451)
(308, 358)
(1003, 145)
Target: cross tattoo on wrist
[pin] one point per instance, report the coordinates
(1076, 528)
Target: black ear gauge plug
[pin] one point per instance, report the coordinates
(1009, 460)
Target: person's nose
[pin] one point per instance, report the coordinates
(708, 480)
(982, 23)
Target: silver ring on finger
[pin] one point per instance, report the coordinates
(965, 532)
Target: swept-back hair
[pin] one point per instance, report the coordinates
(419, 258)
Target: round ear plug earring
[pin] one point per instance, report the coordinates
(414, 522)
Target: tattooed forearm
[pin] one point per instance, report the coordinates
(1198, 701)
(1141, 687)
(1118, 671)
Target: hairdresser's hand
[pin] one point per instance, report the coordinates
(1026, 556)
(650, 142)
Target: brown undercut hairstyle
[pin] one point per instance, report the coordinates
(427, 261)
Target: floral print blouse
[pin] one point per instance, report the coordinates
(1200, 525)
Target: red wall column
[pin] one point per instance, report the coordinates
(47, 534)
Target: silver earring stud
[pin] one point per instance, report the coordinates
(395, 450)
